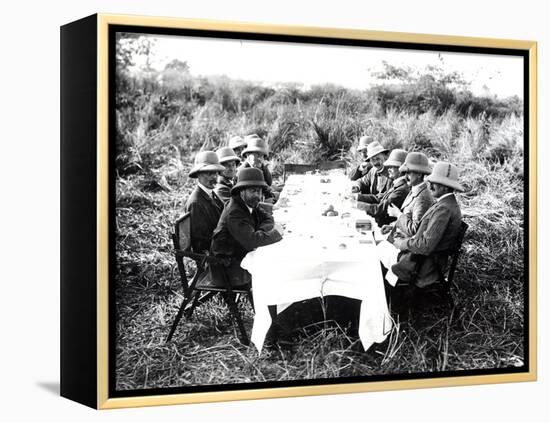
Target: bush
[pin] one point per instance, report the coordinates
(505, 143)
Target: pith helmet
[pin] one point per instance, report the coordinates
(254, 144)
(416, 162)
(205, 161)
(237, 142)
(226, 154)
(375, 148)
(445, 173)
(249, 177)
(397, 158)
(364, 141)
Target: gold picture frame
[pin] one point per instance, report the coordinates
(86, 218)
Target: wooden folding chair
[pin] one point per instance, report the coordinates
(412, 294)
(198, 291)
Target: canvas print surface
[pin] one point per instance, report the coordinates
(354, 212)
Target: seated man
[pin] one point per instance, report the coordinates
(437, 233)
(237, 144)
(255, 155)
(419, 199)
(376, 181)
(243, 226)
(203, 203)
(229, 160)
(377, 207)
(362, 168)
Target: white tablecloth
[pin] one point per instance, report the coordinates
(318, 256)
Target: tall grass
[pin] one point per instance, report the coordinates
(161, 123)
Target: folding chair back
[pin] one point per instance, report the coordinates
(182, 233)
(181, 238)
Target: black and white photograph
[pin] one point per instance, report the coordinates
(291, 211)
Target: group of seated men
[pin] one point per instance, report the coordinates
(411, 202)
(226, 219)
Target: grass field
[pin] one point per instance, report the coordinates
(158, 131)
(485, 330)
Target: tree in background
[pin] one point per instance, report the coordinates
(435, 88)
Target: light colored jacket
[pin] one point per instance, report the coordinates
(374, 182)
(395, 195)
(437, 233)
(417, 202)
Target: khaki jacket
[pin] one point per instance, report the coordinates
(414, 207)
(437, 233)
(374, 182)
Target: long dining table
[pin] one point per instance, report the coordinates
(320, 254)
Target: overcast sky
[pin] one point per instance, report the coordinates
(309, 64)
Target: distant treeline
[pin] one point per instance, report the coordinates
(160, 112)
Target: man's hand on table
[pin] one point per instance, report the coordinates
(386, 229)
(400, 243)
(354, 189)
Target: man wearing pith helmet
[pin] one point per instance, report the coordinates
(255, 155)
(362, 168)
(438, 230)
(377, 206)
(229, 160)
(419, 199)
(237, 144)
(203, 203)
(376, 181)
(244, 226)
